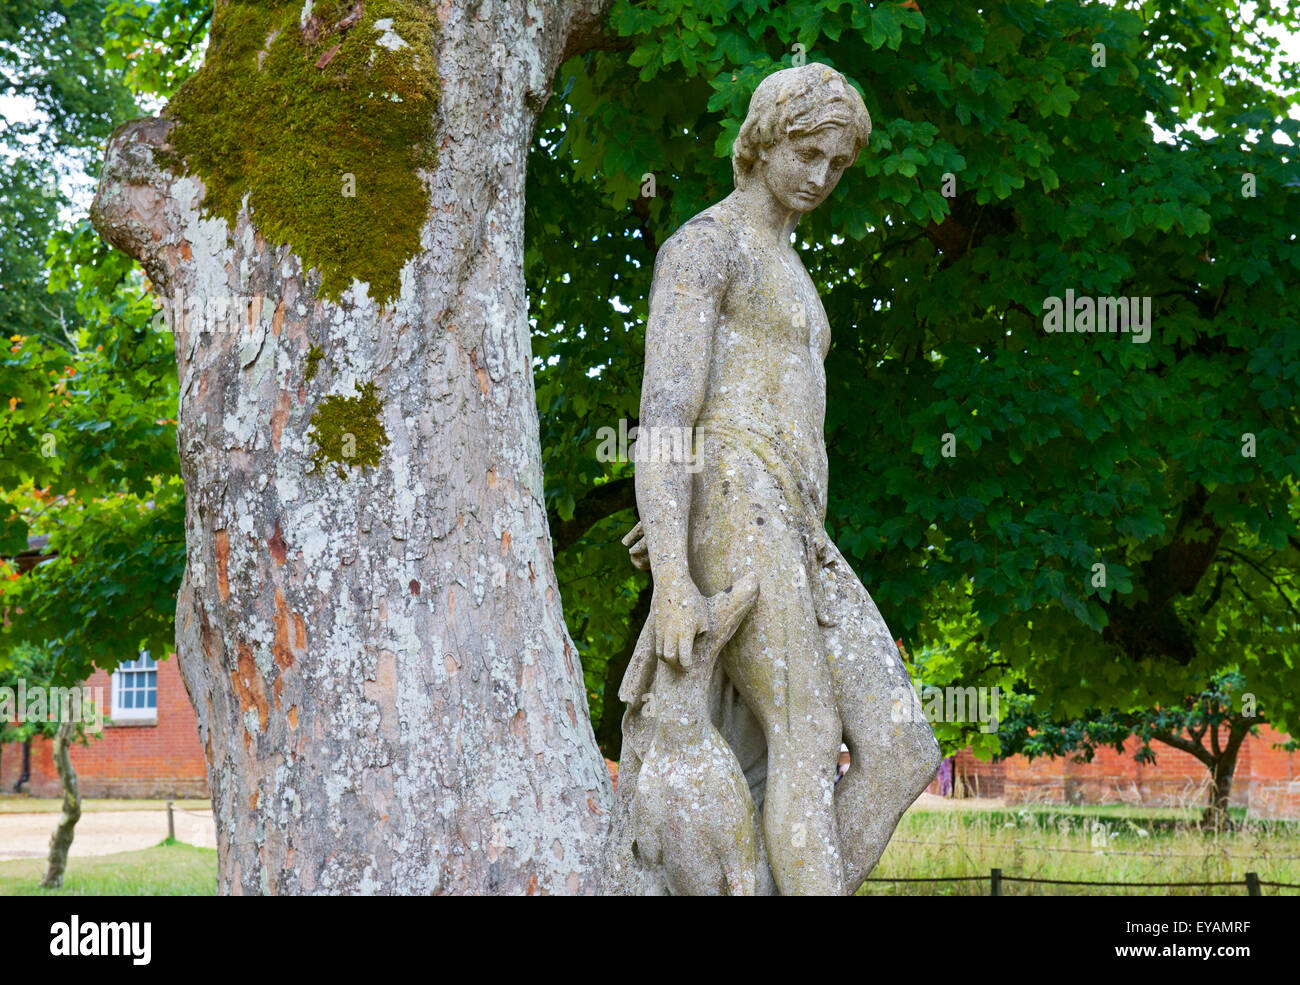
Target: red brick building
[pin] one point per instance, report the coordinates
(149, 749)
(1267, 780)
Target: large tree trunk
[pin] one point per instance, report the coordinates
(384, 685)
(61, 839)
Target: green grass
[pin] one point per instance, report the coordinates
(166, 870)
(1109, 844)
(1104, 844)
(21, 804)
(1163, 819)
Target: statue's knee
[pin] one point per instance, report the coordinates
(914, 763)
(927, 760)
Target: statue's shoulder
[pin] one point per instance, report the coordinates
(706, 241)
(715, 221)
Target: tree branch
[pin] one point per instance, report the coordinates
(588, 31)
(601, 501)
(132, 210)
(1185, 745)
(1265, 575)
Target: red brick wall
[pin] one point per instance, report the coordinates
(1275, 778)
(128, 760)
(976, 778)
(1267, 780)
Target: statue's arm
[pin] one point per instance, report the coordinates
(690, 281)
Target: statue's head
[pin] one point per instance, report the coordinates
(805, 126)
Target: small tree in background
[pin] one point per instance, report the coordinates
(1209, 725)
(54, 708)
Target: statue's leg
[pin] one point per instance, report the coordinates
(777, 665)
(780, 673)
(893, 751)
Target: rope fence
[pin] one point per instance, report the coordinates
(1253, 883)
(171, 817)
(1078, 851)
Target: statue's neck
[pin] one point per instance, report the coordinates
(761, 210)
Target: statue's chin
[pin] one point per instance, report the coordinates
(802, 202)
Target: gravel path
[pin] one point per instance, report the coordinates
(103, 832)
(933, 802)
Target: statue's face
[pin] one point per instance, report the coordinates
(802, 171)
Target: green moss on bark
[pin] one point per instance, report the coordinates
(349, 430)
(314, 355)
(287, 107)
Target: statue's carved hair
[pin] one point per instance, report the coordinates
(793, 102)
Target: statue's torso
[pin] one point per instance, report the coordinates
(766, 368)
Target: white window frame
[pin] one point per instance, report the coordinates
(121, 714)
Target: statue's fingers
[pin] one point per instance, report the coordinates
(684, 645)
(632, 536)
(640, 556)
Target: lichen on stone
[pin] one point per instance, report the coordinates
(314, 355)
(323, 120)
(349, 430)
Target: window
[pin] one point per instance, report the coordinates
(135, 689)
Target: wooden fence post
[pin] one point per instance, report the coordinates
(995, 882)
(171, 823)
(1252, 883)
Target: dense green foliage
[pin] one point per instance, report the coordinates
(1171, 463)
(1067, 451)
(87, 389)
(1217, 706)
(31, 668)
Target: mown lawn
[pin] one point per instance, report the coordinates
(166, 870)
(1101, 844)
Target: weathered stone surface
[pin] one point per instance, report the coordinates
(731, 485)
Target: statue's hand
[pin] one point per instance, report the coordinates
(637, 550)
(679, 615)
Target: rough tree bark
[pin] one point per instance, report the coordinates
(61, 840)
(385, 689)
